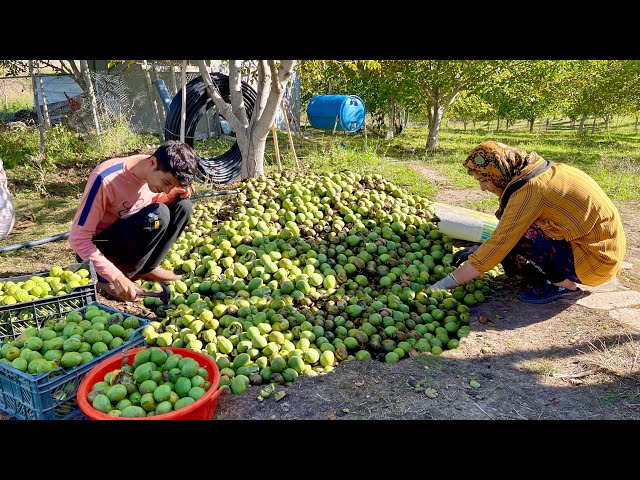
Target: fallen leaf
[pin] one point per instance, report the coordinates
(431, 392)
(279, 395)
(414, 352)
(331, 415)
(486, 349)
(474, 384)
(498, 317)
(346, 410)
(359, 383)
(553, 401)
(483, 319)
(285, 407)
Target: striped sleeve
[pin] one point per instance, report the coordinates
(522, 210)
(90, 212)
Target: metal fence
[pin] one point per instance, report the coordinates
(16, 93)
(122, 94)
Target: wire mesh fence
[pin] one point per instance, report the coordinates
(16, 93)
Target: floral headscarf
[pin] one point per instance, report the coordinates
(498, 163)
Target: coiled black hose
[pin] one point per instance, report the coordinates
(228, 166)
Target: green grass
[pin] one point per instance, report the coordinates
(13, 105)
(611, 158)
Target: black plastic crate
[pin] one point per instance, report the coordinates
(52, 395)
(14, 319)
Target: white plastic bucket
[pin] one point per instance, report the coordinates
(465, 224)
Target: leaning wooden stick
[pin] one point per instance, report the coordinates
(286, 122)
(275, 145)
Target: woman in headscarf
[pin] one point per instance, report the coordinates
(555, 224)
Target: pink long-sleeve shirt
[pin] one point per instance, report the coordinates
(112, 192)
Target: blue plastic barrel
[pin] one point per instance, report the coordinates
(323, 110)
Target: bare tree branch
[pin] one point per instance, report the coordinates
(279, 77)
(263, 81)
(223, 107)
(235, 92)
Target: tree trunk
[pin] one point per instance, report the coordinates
(251, 134)
(84, 67)
(636, 124)
(498, 125)
(582, 122)
(435, 119)
(392, 122)
(37, 108)
(546, 124)
(464, 122)
(253, 155)
(401, 124)
(531, 122)
(154, 69)
(593, 125)
(406, 118)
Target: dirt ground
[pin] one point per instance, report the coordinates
(561, 361)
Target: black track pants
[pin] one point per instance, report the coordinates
(138, 244)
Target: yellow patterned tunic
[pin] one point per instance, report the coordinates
(567, 204)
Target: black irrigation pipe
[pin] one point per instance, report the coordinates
(62, 236)
(228, 166)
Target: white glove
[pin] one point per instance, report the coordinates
(446, 283)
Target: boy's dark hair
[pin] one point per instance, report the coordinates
(179, 159)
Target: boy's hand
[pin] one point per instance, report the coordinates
(179, 193)
(125, 288)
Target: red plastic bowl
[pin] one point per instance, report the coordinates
(201, 409)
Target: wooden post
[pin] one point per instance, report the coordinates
(35, 104)
(183, 116)
(147, 77)
(365, 134)
(335, 124)
(286, 122)
(174, 84)
(275, 145)
(45, 108)
(84, 67)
